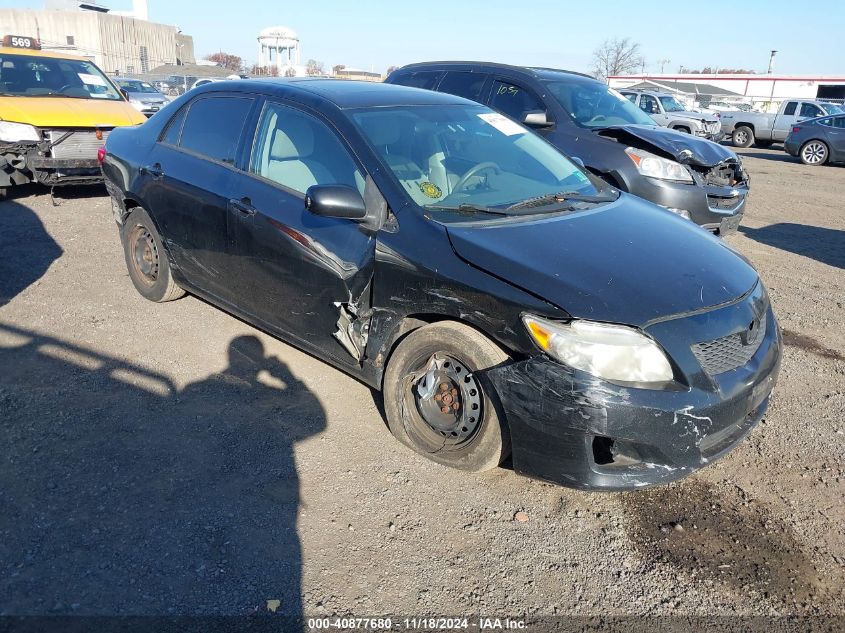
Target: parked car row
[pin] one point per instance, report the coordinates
(503, 298)
(760, 129)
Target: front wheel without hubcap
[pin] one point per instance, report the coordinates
(439, 405)
(814, 153)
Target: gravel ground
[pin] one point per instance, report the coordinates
(170, 459)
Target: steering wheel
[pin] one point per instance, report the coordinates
(597, 118)
(65, 87)
(474, 171)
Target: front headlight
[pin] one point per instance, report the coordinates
(649, 164)
(137, 103)
(612, 352)
(17, 132)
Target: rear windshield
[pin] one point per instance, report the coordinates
(31, 76)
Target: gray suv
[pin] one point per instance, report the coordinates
(667, 111)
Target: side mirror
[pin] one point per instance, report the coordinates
(335, 201)
(536, 118)
(124, 93)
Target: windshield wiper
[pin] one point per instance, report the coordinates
(561, 196)
(465, 207)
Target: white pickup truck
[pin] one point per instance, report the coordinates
(755, 128)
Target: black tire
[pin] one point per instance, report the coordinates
(681, 128)
(423, 358)
(146, 258)
(743, 136)
(814, 153)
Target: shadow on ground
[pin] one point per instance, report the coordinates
(26, 249)
(728, 538)
(822, 244)
(122, 495)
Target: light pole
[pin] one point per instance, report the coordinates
(771, 62)
(663, 63)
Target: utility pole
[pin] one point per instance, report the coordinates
(663, 63)
(771, 62)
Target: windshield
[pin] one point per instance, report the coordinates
(670, 104)
(446, 156)
(595, 105)
(833, 108)
(134, 85)
(31, 76)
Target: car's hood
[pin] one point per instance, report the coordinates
(698, 116)
(48, 112)
(684, 148)
(147, 96)
(627, 262)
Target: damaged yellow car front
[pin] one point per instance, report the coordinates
(56, 111)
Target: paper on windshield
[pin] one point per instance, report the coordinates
(91, 80)
(502, 123)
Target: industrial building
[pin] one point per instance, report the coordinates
(122, 43)
(763, 90)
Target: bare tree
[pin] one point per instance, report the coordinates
(617, 57)
(390, 70)
(313, 67)
(226, 60)
(290, 72)
(337, 68)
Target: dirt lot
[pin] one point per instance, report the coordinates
(169, 459)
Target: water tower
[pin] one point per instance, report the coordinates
(278, 46)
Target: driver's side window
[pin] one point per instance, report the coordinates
(648, 104)
(514, 101)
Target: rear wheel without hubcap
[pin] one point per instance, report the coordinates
(438, 404)
(814, 153)
(146, 260)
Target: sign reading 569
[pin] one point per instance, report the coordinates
(21, 41)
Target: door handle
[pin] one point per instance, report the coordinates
(153, 171)
(243, 206)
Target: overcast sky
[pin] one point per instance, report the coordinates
(375, 34)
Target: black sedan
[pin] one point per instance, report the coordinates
(818, 141)
(502, 299)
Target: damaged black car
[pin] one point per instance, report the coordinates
(503, 300)
(692, 177)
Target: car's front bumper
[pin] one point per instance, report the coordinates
(717, 209)
(580, 431)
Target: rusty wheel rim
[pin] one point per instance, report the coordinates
(143, 254)
(448, 399)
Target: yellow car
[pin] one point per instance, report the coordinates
(56, 111)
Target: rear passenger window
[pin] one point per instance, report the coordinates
(174, 128)
(839, 122)
(426, 79)
(790, 108)
(466, 85)
(298, 150)
(213, 126)
(514, 101)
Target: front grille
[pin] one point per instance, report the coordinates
(732, 351)
(723, 204)
(79, 144)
